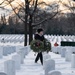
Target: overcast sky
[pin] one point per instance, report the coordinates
(8, 8)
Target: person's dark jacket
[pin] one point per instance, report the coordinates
(38, 37)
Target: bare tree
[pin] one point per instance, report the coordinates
(30, 9)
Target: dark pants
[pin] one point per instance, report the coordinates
(39, 56)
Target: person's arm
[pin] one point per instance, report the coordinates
(36, 37)
(43, 37)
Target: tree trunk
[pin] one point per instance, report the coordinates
(26, 20)
(25, 34)
(30, 30)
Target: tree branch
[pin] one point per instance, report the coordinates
(69, 7)
(35, 7)
(15, 11)
(21, 6)
(2, 2)
(33, 25)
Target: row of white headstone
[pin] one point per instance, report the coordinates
(49, 65)
(67, 52)
(11, 38)
(20, 38)
(69, 55)
(6, 50)
(13, 61)
(59, 38)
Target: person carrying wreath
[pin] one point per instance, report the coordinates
(39, 36)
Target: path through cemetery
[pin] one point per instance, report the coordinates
(31, 68)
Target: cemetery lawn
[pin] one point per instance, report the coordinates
(31, 68)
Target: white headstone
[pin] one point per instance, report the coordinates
(12, 49)
(9, 67)
(59, 49)
(54, 49)
(21, 53)
(5, 50)
(29, 49)
(49, 66)
(24, 50)
(68, 55)
(73, 61)
(45, 57)
(18, 48)
(54, 72)
(8, 50)
(1, 52)
(63, 51)
(17, 60)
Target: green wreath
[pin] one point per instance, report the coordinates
(37, 45)
(40, 46)
(47, 45)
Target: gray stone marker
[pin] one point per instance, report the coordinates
(26, 49)
(49, 66)
(54, 49)
(1, 73)
(9, 67)
(45, 58)
(54, 72)
(18, 48)
(63, 52)
(8, 50)
(73, 61)
(69, 52)
(21, 53)
(1, 52)
(68, 55)
(17, 60)
(59, 50)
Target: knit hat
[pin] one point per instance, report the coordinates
(39, 30)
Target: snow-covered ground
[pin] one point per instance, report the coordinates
(31, 68)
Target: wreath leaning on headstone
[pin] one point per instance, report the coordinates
(40, 46)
